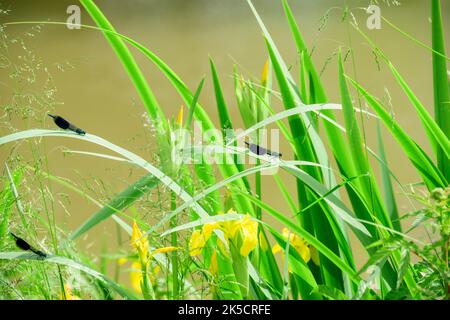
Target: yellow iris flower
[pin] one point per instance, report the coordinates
(136, 276)
(302, 247)
(140, 244)
(200, 237)
(249, 230)
(246, 227)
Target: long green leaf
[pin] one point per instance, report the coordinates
(129, 63)
(440, 84)
(433, 129)
(119, 202)
(367, 187)
(389, 196)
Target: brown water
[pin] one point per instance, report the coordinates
(99, 97)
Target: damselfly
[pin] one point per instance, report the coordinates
(66, 125)
(256, 149)
(22, 244)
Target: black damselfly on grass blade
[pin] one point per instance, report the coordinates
(261, 151)
(66, 125)
(22, 244)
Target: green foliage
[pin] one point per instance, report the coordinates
(195, 249)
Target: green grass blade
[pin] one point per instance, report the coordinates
(252, 271)
(121, 201)
(193, 105)
(367, 186)
(268, 263)
(129, 64)
(286, 194)
(389, 196)
(440, 84)
(339, 208)
(435, 133)
(226, 125)
(304, 75)
(9, 197)
(319, 92)
(225, 121)
(303, 130)
(283, 128)
(309, 146)
(239, 86)
(413, 39)
(351, 124)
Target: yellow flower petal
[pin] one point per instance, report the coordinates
(122, 261)
(136, 277)
(301, 246)
(135, 235)
(196, 243)
(248, 245)
(265, 73)
(179, 121)
(249, 228)
(208, 228)
(295, 241)
(214, 267)
(249, 231)
(230, 227)
(304, 252)
(276, 248)
(138, 242)
(165, 249)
